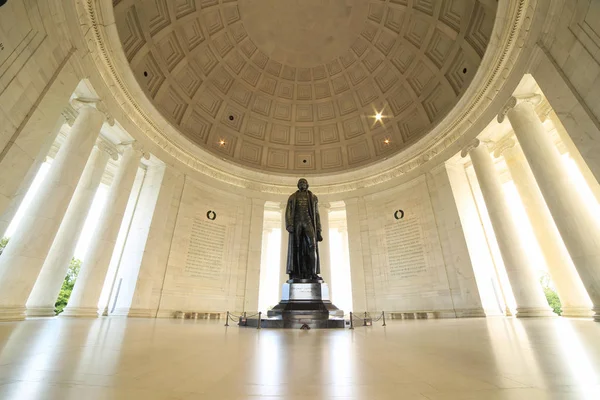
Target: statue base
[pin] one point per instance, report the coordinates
(304, 301)
(303, 296)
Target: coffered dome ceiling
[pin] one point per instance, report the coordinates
(292, 86)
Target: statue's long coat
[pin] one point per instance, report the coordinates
(313, 210)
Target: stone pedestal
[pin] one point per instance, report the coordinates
(304, 301)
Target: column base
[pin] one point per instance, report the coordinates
(577, 312)
(40, 312)
(120, 312)
(80, 312)
(531, 312)
(470, 313)
(141, 313)
(12, 313)
(596, 311)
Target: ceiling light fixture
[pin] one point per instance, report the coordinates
(386, 141)
(222, 142)
(378, 117)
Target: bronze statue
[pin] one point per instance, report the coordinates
(303, 223)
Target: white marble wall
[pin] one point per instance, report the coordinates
(466, 297)
(161, 247)
(358, 233)
(446, 284)
(185, 290)
(567, 69)
(253, 266)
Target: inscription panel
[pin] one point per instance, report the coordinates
(205, 256)
(405, 249)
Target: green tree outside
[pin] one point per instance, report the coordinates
(67, 286)
(551, 295)
(3, 243)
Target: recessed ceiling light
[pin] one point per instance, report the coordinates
(378, 116)
(386, 141)
(222, 142)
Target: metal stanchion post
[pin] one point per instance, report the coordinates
(259, 319)
(351, 322)
(227, 319)
(365, 319)
(383, 315)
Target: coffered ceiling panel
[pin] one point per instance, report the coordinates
(293, 86)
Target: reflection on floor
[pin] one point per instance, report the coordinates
(148, 359)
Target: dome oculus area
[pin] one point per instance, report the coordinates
(293, 86)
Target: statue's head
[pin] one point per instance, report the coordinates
(302, 184)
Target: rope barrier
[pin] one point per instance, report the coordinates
(259, 320)
(238, 318)
(367, 319)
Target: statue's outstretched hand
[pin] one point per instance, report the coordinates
(290, 229)
(319, 237)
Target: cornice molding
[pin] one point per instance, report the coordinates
(510, 32)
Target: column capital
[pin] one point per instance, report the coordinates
(469, 147)
(503, 146)
(107, 147)
(81, 102)
(513, 101)
(69, 114)
(136, 146)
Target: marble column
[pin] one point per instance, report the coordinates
(526, 287)
(283, 276)
(264, 277)
(254, 255)
(88, 287)
(355, 254)
(48, 284)
(26, 252)
(574, 153)
(325, 246)
(572, 294)
(153, 263)
(579, 227)
(16, 200)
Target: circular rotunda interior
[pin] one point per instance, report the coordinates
(449, 228)
(306, 87)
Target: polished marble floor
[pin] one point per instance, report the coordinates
(132, 359)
